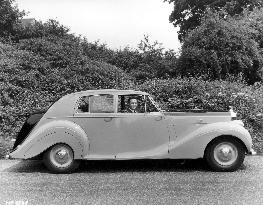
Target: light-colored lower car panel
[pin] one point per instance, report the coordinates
(50, 134)
(194, 144)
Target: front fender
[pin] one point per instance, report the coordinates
(193, 145)
(51, 133)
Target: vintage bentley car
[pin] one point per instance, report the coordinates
(94, 125)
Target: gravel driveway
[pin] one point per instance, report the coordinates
(131, 182)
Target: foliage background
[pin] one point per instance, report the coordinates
(220, 64)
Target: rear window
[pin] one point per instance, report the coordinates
(96, 104)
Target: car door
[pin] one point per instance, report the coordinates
(142, 135)
(96, 114)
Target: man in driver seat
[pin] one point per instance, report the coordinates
(133, 105)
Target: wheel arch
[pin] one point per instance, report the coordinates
(59, 135)
(51, 133)
(226, 137)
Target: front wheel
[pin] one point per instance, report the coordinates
(60, 159)
(225, 154)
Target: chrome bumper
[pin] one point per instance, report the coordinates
(252, 152)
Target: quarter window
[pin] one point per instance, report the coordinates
(83, 105)
(101, 104)
(96, 104)
(150, 107)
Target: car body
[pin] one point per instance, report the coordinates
(91, 125)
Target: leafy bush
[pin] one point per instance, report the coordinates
(149, 60)
(39, 29)
(5, 146)
(52, 41)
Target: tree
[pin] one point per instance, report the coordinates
(254, 21)
(159, 62)
(220, 47)
(9, 16)
(187, 14)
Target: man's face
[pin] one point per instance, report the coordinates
(133, 104)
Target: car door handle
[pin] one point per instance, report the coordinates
(201, 122)
(159, 118)
(107, 119)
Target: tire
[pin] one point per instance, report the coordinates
(225, 154)
(60, 159)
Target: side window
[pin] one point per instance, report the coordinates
(83, 105)
(131, 104)
(96, 104)
(150, 107)
(101, 104)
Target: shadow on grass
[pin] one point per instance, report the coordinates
(143, 166)
(29, 166)
(110, 166)
(26, 166)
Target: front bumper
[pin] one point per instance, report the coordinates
(252, 152)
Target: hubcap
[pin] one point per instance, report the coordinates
(225, 153)
(61, 156)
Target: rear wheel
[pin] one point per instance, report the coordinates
(225, 154)
(60, 159)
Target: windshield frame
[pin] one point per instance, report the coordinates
(154, 103)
